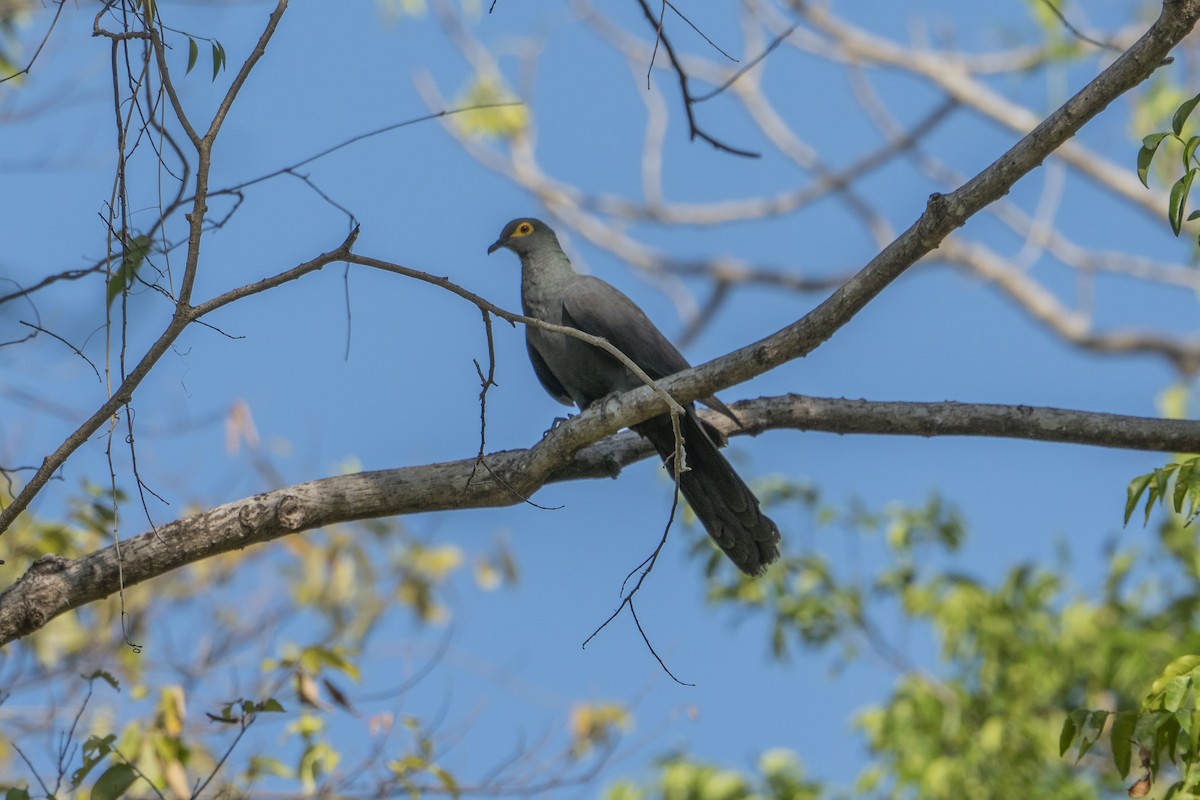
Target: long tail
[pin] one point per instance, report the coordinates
(723, 503)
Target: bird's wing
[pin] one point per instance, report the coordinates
(595, 307)
(552, 384)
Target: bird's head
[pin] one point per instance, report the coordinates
(524, 235)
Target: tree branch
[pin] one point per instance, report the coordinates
(53, 585)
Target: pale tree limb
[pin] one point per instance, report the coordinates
(1073, 326)
(953, 77)
(1015, 281)
(843, 43)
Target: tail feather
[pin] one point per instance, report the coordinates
(723, 503)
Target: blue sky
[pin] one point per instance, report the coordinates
(407, 394)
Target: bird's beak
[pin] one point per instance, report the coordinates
(496, 245)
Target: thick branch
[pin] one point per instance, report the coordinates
(837, 415)
(53, 585)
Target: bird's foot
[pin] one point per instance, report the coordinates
(557, 421)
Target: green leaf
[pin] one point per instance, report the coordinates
(1134, 492)
(1184, 717)
(1121, 741)
(113, 782)
(17, 794)
(107, 677)
(1167, 736)
(265, 765)
(94, 751)
(1146, 155)
(1182, 113)
(1069, 729)
(270, 704)
(1181, 485)
(1189, 150)
(135, 255)
(218, 58)
(447, 780)
(1096, 726)
(1162, 482)
(1180, 666)
(193, 54)
(1174, 692)
(1178, 200)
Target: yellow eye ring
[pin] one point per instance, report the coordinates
(524, 229)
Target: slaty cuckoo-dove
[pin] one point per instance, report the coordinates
(574, 371)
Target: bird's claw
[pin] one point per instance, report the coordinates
(557, 421)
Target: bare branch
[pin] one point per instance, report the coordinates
(694, 129)
(239, 80)
(575, 450)
(749, 65)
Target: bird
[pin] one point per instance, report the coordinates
(576, 372)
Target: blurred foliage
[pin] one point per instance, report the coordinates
(1167, 727)
(1183, 152)
(780, 776)
(14, 14)
(502, 115)
(1027, 665)
(310, 603)
(1177, 483)
(597, 725)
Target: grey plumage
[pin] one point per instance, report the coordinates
(575, 372)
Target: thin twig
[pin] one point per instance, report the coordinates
(1078, 34)
(29, 764)
(246, 722)
(703, 35)
(645, 568)
(360, 137)
(41, 44)
(75, 349)
(446, 283)
(694, 129)
(486, 382)
(751, 64)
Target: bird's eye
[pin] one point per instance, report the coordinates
(524, 229)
